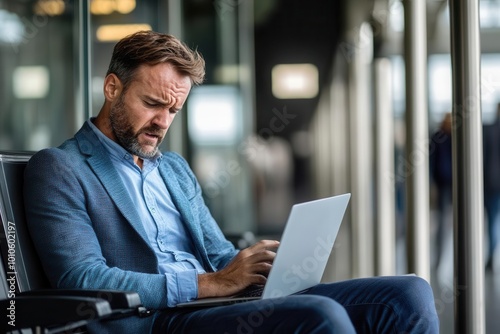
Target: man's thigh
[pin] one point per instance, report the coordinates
(292, 314)
(385, 304)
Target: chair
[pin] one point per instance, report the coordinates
(25, 293)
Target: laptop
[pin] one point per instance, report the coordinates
(305, 247)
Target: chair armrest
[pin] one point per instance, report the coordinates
(116, 299)
(122, 303)
(51, 311)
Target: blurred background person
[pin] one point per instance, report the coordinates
(441, 173)
(491, 163)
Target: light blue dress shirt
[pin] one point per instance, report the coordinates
(162, 222)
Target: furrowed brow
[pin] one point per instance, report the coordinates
(155, 100)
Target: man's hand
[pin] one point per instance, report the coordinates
(250, 266)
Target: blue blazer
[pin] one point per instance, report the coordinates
(89, 234)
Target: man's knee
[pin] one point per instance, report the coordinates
(419, 291)
(418, 297)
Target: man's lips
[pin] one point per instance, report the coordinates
(152, 136)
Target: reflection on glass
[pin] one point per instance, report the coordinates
(31, 82)
(213, 115)
(37, 61)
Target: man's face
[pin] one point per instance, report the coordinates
(142, 114)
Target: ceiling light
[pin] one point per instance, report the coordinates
(49, 7)
(31, 82)
(106, 7)
(295, 81)
(115, 32)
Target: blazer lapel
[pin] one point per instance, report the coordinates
(183, 205)
(103, 168)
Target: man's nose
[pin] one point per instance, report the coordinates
(163, 119)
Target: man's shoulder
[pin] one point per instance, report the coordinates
(73, 149)
(66, 155)
(175, 162)
(173, 159)
(60, 152)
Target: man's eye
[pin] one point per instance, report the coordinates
(151, 104)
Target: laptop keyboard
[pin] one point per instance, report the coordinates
(251, 291)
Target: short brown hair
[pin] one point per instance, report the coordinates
(151, 48)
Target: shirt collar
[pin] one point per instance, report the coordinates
(118, 152)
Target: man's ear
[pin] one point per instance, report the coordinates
(112, 87)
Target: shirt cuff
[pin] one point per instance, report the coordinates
(182, 287)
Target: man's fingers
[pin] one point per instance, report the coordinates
(263, 267)
(259, 279)
(262, 245)
(267, 244)
(263, 256)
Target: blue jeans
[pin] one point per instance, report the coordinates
(398, 304)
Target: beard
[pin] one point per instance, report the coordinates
(127, 138)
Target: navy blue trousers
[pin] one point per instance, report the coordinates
(396, 304)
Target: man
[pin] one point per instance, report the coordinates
(108, 211)
(440, 168)
(491, 166)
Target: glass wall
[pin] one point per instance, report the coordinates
(220, 113)
(440, 86)
(111, 21)
(54, 56)
(39, 73)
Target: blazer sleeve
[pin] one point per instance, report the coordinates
(57, 198)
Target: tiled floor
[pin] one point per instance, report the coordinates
(442, 283)
(492, 287)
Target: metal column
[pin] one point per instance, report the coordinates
(467, 168)
(361, 154)
(384, 167)
(417, 139)
(84, 97)
(176, 133)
